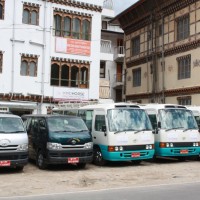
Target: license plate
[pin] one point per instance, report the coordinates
(4, 163)
(73, 160)
(184, 151)
(135, 155)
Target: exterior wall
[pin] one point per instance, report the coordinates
(166, 81)
(39, 40)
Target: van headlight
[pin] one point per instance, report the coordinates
(53, 146)
(22, 147)
(88, 145)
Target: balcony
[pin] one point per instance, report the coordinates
(119, 54)
(118, 81)
(106, 50)
(108, 9)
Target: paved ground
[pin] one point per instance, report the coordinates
(59, 179)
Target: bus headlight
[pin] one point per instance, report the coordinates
(195, 144)
(53, 146)
(22, 147)
(149, 146)
(89, 145)
(116, 148)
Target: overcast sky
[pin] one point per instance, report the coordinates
(121, 5)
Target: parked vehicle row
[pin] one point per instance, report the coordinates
(99, 133)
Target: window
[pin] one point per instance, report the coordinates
(2, 4)
(69, 75)
(184, 100)
(135, 46)
(99, 122)
(76, 27)
(183, 27)
(184, 67)
(160, 30)
(137, 77)
(29, 66)
(1, 62)
(102, 69)
(31, 14)
(104, 25)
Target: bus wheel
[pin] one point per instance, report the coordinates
(40, 160)
(136, 162)
(98, 158)
(182, 159)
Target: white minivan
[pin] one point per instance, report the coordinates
(13, 142)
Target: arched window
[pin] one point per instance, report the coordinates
(26, 16)
(1, 11)
(84, 75)
(86, 30)
(24, 68)
(32, 69)
(55, 74)
(34, 17)
(67, 26)
(57, 25)
(65, 76)
(76, 28)
(74, 76)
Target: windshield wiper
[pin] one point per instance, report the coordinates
(169, 129)
(187, 129)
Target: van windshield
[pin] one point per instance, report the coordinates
(11, 125)
(62, 124)
(128, 119)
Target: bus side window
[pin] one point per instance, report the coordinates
(99, 122)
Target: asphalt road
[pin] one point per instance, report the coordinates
(189, 191)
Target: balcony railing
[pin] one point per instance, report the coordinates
(119, 50)
(106, 46)
(108, 4)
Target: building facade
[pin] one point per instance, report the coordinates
(49, 53)
(111, 56)
(162, 41)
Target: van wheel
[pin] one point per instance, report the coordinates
(81, 165)
(98, 158)
(19, 168)
(40, 160)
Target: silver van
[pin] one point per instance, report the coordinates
(13, 142)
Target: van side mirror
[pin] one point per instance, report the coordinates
(159, 124)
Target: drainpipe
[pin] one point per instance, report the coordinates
(13, 49)
(43, 57)
(163, 63)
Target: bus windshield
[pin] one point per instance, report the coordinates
(128, 119)
(177, 119)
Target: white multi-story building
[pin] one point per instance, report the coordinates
(112, 56)
(49, 52)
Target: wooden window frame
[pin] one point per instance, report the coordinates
(185, 33)
(2, 3)
(81, 34)
(31, 9)
(29, 60)
(184, 67)
(80, 83)
(1, 62)
(137, 77)
(135, 46)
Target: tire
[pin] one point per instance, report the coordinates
(98, 158)
(19, 168)
(136, 162)
(81, 165)
(40, 161)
